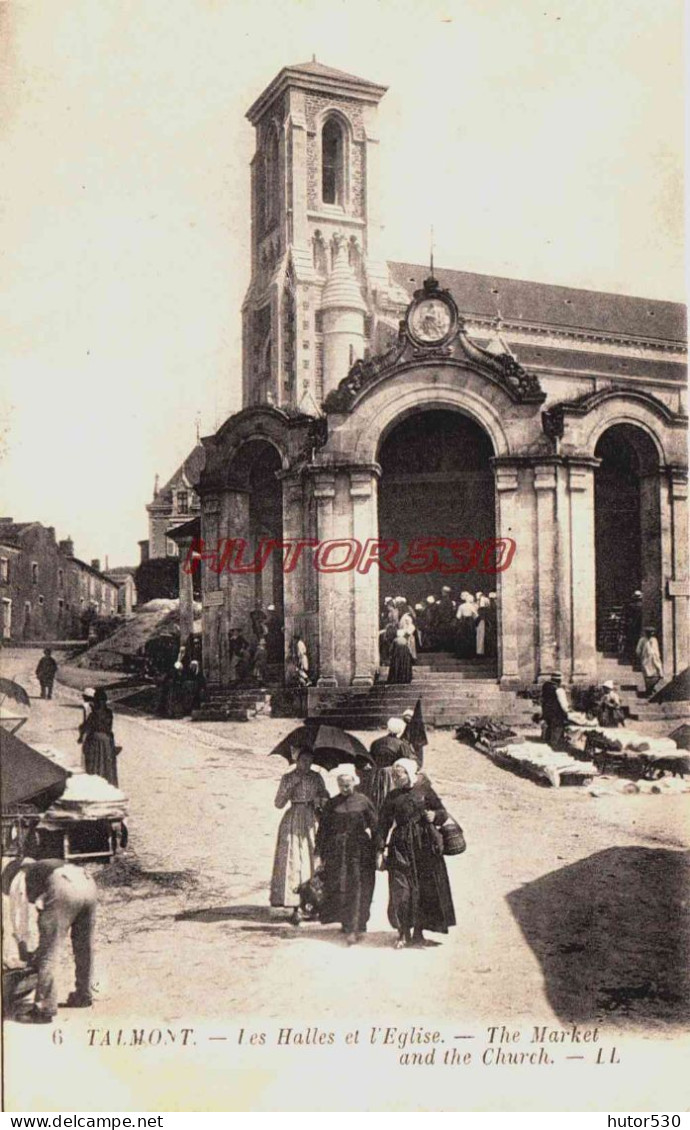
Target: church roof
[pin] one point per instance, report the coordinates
(560, 307)
(322, 71)
(190, 469)
(317, 77)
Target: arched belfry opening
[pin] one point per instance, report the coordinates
(627, 529)
(437, 482)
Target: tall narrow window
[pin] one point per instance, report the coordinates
(332, 152)
(271, 174)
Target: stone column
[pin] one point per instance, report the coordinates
(294, 595)
(545, 484)
(677, 585)
(186, 591)
(506, 526)
(238, 589)
(324, 493)
(211, 595)
(583, 574)
(363, 492)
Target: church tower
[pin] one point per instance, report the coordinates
(317, 272)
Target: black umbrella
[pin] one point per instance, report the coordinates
(334, 746)
(10, 689)
(328, 745)
(300, 740)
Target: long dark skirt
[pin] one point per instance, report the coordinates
(419, 891)
(100, 757)
(465, 638)
(349, 876)
(400, 669)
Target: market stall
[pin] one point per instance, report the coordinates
(79, 816)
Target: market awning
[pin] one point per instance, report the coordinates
(25, 773)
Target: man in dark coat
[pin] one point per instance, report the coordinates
(45, 673)
(631, 629)
(554, 711)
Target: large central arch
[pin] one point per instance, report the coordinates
(436, 482)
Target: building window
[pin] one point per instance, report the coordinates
(41, 600)
(6, 613)
(332, 163)
(271, 175)
(4, 570)
(34, 572)
(170, 548)
(182, 502)
(60, 578)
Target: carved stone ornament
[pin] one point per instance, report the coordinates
(433, 333)
(553, 418)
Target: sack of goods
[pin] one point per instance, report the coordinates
(88, 797)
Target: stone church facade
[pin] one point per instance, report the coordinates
(386, 403)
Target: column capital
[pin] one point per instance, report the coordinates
(324, 485)
(362, 480)
(678, 480)
(545, 476)
(506, 476)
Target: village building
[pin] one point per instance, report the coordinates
(47, 593)
(123, 576)
(175, 502)
(388, 402)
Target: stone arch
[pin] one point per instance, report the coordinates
(627, 515)
(388, 403)
(603, 410)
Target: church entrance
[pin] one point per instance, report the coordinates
(258, 594)
(437, 483)
(627, 538)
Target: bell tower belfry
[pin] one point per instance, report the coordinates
(316, 261)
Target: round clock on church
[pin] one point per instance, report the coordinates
(431, 320)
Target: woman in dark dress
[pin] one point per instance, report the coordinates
(400, 669)
(419, 892)
(96, 735)
(345, 848)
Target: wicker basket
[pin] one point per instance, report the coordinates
(453, 837)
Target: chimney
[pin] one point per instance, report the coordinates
(96, 563)
(67, 547)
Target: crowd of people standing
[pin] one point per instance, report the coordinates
(466, 627)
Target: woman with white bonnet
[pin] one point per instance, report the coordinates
(87, 702)
(345, 847)
(378, 782)
(609, 710)
(409, 848)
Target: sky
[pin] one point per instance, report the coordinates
(543, 140)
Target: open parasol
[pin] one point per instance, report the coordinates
(301, 739)
(25, 774)
(14, 691)
(334, 746)
(328, 745)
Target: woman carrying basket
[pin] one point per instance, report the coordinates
(419, 891)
